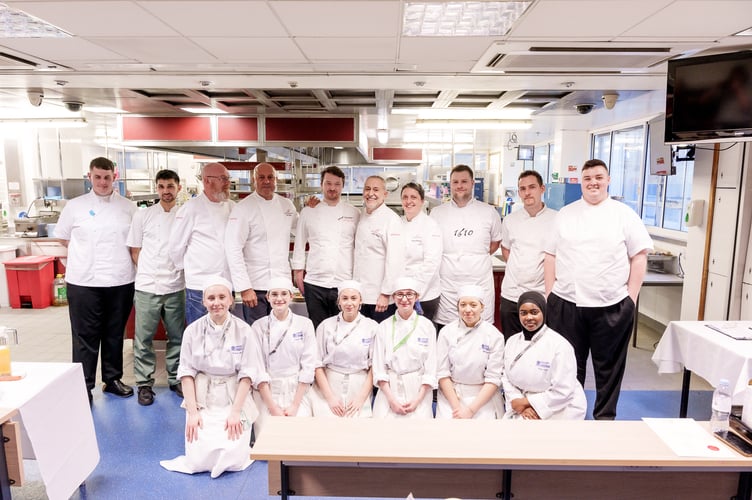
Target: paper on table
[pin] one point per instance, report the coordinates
(687, 438)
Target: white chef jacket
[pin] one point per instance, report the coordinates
(150, 231)
(593, 245)
(257, 240)
(468, 233)
(197, 240)
(470, 356)
(416, 355)
(524, 236)
(97, 228)
(219, 350)
(346, 347)
(330, 234)
(423, 251)
(546, 374)
(296, 355)
(379, 253)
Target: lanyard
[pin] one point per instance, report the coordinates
(528, 346)
(406, 337)
(269, 349)
(336, 330)
(469, 330)
(208, 327)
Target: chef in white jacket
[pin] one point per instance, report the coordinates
(540, 369)
(257, 241)
(287, 343)
(379, 250)
(470, 355)
(472, 233)
(198, 234)
(404, 359)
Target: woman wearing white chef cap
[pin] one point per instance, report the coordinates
(287, 344)
(470, 357)
(344, 379)
(218, 361)
(404, 359)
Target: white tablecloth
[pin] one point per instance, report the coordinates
(58, 429)
(707, 353)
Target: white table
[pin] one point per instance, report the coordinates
(575, 459)
(57, 426)
(708, 353)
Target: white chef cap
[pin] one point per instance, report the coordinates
(350, 285)
(217, 280)
(405, 283)
(474, 291)
(280, 283)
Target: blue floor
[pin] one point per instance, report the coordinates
(133, 439)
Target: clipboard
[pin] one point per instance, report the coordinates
(731, 329)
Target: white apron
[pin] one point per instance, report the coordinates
(404, 387)
(346, 387)
(467, 393)
(283, 392)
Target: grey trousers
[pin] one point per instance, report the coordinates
(150, 308)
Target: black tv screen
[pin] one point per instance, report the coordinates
(709, 98)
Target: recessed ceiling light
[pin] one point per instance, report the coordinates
(747, 32)
(103, 109)
(461, 18)
(15, 23)
(205, 111)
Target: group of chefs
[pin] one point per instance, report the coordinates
(378, 289)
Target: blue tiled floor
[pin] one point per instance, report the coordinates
(133, 439)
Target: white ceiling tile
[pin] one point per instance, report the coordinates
(584, 19)
(157, 50)
(362, 48)
(689, 19)
(332, 19)
(251, 49)
(218, 18)
(62, 50)
(443, 48)
(98, 18)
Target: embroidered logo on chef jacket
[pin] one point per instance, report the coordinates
(543, 365)
(236, 349)
(297, 336)
(377, 232)
(463, 232)
(366, 341)
(485, 348)
(289, 213)
(347, 218)
(422, 341)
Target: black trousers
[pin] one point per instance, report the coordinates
(430, 307)
(510, 319)
(604, 333)
(321, 302)
(98, 316)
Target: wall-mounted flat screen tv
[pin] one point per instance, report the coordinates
(709, 98)
(525, 152)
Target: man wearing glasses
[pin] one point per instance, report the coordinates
(198, 234)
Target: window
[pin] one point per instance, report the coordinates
(542, 161)
(666, 197)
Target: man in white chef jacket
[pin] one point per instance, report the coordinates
(379, 251)
(257, 241)
(329, 231)
(198, 235)
(160, 289)
(596, 257)
(100, 276)
(523, 235)
(471, 232)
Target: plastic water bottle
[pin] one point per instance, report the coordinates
(59, 291)
(721, 409)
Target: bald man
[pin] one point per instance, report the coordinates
(257, 241)
(198, 234)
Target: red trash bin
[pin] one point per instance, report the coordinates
(30, 280)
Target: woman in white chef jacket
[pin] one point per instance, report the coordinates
(540, 370)
(470, 357)
(344, 379)
(287, 343)
(404, 359)
(217, 361)
(423, 248)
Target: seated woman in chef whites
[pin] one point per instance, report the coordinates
(404, 359)
(217, 363)
(470, 356)
(287, 343)
(344, 379)
(540, 370)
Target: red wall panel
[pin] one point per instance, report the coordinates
(405, 154)
(310, 129)
(177, 128)
(237, 129)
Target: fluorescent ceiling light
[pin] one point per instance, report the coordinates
(747, 32)
(104, 109)
(205, 111)
(461, 18)
(43, 122)
(466, 114)
(475, 124)
(382, 135)
(15, 23)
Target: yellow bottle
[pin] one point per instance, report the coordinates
(5, 360)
